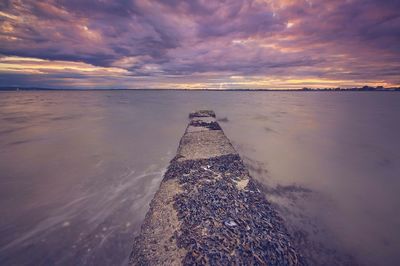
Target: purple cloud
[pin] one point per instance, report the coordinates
(201, 42)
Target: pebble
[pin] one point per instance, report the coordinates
(230, 223)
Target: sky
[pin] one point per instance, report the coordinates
(197, 44)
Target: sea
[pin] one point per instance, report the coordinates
(78, 169)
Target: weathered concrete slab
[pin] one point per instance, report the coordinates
(209, 211)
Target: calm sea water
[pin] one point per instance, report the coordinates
(78, 169)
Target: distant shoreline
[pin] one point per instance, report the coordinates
(363, 89)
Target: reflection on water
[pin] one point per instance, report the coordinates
(78, 169)
(77, 173)
(330, 163)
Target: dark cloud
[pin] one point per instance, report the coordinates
(345, 40)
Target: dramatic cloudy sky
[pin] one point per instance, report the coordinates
(199, 43)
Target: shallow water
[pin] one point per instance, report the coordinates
(78, 169)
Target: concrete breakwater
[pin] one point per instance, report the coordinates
(209, 211)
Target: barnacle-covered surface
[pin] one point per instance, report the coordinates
(202, 113)
(209, 211)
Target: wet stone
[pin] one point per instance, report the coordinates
(202, 113)
(209, 125)
(221, 224)
(221, 216)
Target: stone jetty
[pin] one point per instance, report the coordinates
(209, 211)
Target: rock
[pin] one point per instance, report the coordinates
(219, 215)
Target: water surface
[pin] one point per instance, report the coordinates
(78, 169)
